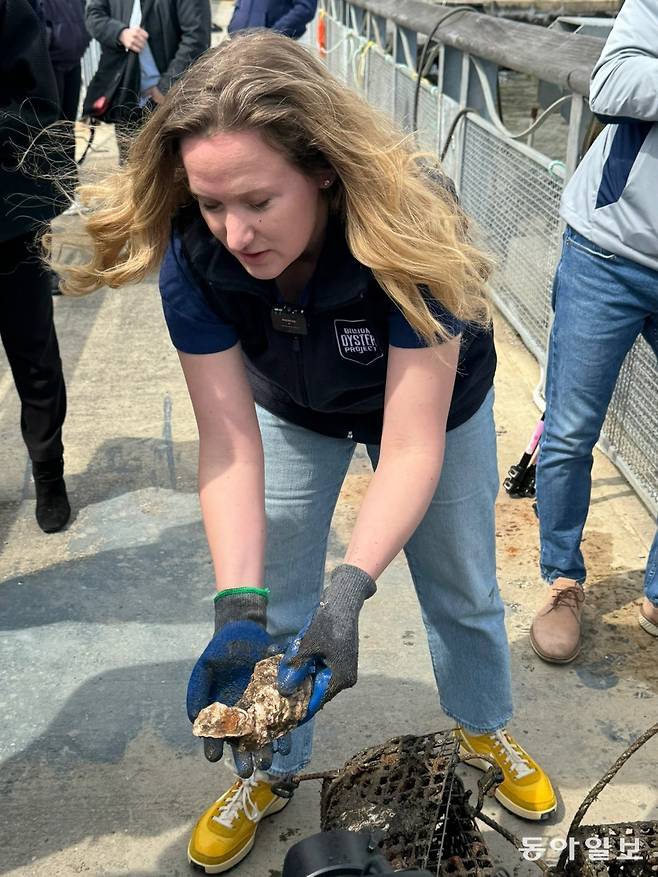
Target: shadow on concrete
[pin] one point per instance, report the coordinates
(120, 466)
(613, 653)
(119, 759)
(9, 511)
(624, 489)
(128, 464)
(118, 766)
(167, 580)
(609, 497)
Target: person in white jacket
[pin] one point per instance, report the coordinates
(605, 295)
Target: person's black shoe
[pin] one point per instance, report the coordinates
(53, 510)
(216, 28)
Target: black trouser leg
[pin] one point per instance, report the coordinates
(68, 87)
(28, 335)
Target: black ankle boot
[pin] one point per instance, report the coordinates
(53, 509)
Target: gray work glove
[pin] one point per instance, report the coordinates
(327, 647)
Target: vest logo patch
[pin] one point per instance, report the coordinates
(356, 342)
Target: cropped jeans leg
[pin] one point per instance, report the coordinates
(304, 472)
(452, 560)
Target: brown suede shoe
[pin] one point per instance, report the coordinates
(555, 631)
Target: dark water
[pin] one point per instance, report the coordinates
(519, 98)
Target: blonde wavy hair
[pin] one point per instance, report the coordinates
(399, 221)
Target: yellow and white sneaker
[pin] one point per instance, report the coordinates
(226, 832)
(526, 790)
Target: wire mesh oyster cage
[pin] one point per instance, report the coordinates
(406, 795)
(464, 853)
(614, 850)
(622, 850)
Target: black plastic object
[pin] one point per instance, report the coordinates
(340, 854)
(520, 483)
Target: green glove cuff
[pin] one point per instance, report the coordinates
(228, 592)
(241, 604)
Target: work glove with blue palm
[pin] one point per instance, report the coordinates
(327, 647)
(224, 669)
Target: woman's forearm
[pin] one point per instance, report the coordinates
(231, 468)
(231, 493)
(394, 505)
(419, 385)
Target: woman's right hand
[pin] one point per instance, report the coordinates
(224, 669)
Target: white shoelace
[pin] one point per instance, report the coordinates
(516, 761)
(240, 800)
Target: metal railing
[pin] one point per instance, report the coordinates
(506, 183)
(89, 65)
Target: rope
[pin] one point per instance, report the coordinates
(421, 63)
(422, 69)
(359, 63)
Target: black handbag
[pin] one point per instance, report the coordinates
(114, 91)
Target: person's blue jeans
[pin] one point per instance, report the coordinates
(602, 303)
(451, 558)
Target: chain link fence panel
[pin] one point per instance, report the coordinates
(515, 201)
(379, 80)
(631, 427)
(513, 193)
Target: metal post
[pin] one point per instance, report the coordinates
(356, 18)
(377, 29)
(574, 137)
(405, 47)
(463, 103)
(441, 60)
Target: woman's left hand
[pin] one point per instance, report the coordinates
(327, 647)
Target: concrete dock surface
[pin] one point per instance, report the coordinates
(101, 623)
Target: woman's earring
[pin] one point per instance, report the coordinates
(326, 184)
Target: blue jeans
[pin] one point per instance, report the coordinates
(602, 302)
(451, 557)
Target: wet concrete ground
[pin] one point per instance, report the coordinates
(101, 625)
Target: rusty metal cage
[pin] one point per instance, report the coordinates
(630, 850)
(405, 793)
(624, 849)
(406, 796)
(464, 854)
